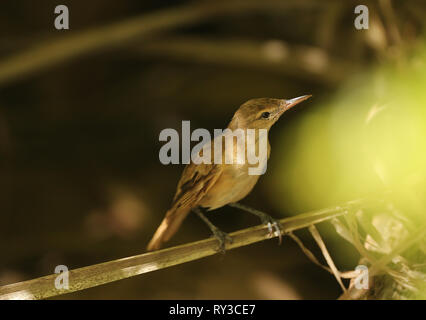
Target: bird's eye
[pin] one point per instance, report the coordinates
(265, 115)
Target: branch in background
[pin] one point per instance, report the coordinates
(391, 21)
(111, 271)
(64, 48)
(306, 62)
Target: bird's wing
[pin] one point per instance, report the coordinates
(195, 182)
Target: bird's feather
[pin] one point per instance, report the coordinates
(195, 182)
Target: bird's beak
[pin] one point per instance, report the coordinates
(287, 104)
(292, 102)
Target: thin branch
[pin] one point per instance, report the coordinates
(326, 254)
(111, 271)
(311, 256)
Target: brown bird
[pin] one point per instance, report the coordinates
(215, 185)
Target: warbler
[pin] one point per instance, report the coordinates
(213, 185)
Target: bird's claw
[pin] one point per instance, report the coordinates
(223, 238)
(274, 227)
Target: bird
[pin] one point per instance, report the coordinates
(209, 186)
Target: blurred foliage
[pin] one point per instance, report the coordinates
(369, 138)
(368, 141)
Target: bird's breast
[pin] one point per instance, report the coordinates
(232, 186)
(235, 180)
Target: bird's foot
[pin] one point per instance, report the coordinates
(223, 238)
(274, 226)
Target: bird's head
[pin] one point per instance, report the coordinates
(262, 113)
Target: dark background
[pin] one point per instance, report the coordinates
(80, 178)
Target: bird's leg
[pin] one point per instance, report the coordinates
(223, 237)
(274, 225)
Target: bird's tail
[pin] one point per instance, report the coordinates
(168, 227)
